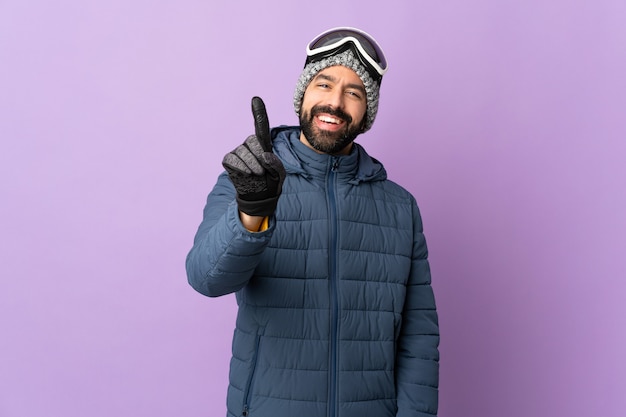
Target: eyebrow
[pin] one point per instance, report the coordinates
(330, 78)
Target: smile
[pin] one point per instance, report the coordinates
(329, 119)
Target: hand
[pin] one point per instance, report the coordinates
(255, 171)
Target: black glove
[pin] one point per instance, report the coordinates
(255, 171)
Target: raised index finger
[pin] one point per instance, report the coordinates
(261, 124)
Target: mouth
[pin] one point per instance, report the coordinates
(325, 121)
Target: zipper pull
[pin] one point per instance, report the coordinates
(334, 165)
(245, 411)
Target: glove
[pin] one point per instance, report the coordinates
(254, 170)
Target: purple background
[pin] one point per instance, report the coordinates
(505, 119)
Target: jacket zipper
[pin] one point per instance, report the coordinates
(246, 398)
(332, 397)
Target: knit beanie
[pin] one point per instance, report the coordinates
(349, 60)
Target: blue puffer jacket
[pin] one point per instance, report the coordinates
(336, 313)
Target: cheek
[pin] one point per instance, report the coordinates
(305, 107)
(310, 95)
(359, 113)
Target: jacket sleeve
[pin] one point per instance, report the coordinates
(224, 254)
(417, 357)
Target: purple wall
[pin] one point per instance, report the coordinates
(507, 121)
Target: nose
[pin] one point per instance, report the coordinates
(335, 99)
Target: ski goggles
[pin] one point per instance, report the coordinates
(339, 39)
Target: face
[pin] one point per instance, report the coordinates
(333, 110)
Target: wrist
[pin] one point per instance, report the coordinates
(257, 205)
(253, 223)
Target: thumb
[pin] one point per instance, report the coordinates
(261, 124)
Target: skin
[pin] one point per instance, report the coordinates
(339, 93)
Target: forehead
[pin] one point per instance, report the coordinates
(339, 73)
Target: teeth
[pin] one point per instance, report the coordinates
(329, 119)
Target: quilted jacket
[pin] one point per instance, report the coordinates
(336, 314)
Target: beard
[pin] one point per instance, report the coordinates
(325, 141)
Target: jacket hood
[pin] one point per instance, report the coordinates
(297, 158)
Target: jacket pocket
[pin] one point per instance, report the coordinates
(249, 383)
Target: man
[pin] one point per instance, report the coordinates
(327, 257)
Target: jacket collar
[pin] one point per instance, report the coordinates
(297, 158)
